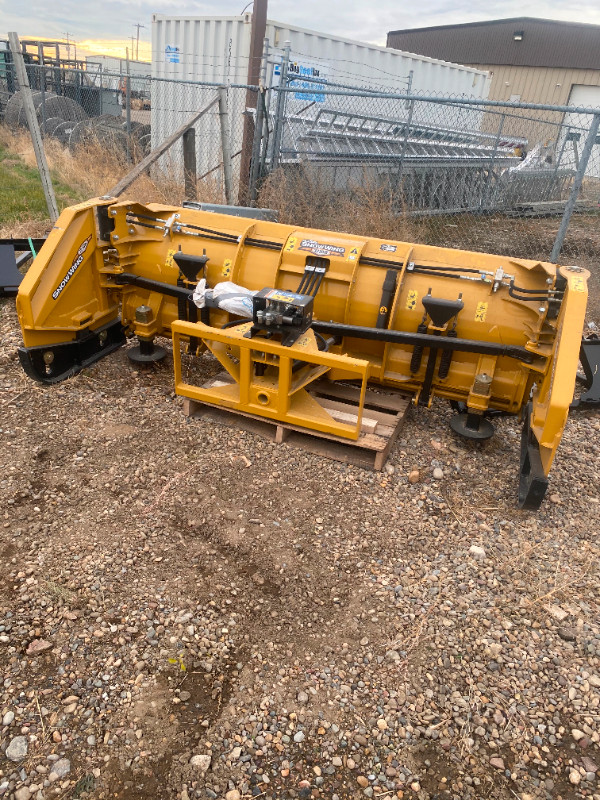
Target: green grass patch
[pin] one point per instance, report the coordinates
(21, 193)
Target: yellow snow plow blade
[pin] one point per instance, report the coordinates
(281, 307)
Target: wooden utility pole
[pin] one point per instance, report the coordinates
(34, 128)
(225, 145)
(257, 36)
(189, 164)
(137, 44)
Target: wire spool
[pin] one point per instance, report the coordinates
(14, 110)
(63, 131)
(86, 131)
(109, 132)
(46, 104)
(64, 107)
(145, 143)
(50, 125)
(80, 134)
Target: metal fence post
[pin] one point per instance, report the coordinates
(258, 126)
(225, 144)
(575, 189)
(42, 84)
(128, 107)
(280, 108)
(34, 128)
(189, 163)
(407, 125)
(43, 68)
(487, 190)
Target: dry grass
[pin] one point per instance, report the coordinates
(364, 209)
(93, 169)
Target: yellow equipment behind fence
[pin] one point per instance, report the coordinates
(489, 333)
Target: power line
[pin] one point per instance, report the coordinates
(67, 34)
(137, 49)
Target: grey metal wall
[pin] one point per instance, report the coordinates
(545, 43)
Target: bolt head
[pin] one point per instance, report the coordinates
(143, 314)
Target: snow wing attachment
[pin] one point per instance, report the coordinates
(284, 308)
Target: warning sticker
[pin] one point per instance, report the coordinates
(321, 249)
(283, 297)
(577, 285)
(291, 244)
(169, 258)
(411, 300)
(353, 254)
(481, 312)
(226, 271)
(388, 248)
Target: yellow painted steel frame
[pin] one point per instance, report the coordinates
(279, 393)
(71, 298)
(552, 398)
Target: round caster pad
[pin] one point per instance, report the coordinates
(134, 354)
(485, 429)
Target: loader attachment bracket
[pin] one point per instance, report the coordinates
(589, 356)
(10, 277)
(56, 362)
(264, 382)
(533, 482)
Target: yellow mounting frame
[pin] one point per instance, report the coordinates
(280, 392)
(553, 397)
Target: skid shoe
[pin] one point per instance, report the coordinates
(472, 426)
(146, 352)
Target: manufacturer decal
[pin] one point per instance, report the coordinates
(226, 271)
(411, 300)
(320, 249)
(388, 248)
(169, 258)
(73, 268)
(480, 312)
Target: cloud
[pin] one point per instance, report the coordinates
(115, 19)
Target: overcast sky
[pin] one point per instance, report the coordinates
(367, 21)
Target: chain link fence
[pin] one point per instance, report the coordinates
(87, 110)
(515, 179)
(467, 173)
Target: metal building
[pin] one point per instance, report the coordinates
(529, 60)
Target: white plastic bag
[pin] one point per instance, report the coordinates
(226, 295)
(199, 296)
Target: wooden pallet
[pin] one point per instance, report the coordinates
(383, 415)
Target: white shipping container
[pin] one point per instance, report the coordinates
(216, 49)
(106, 69)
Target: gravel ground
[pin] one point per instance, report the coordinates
(189, 611)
